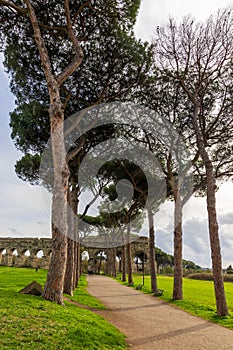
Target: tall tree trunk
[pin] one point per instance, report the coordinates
(75, 265)
(154, 286)
(71, 253)
(129, 256)
(178, 261)
(53, 289)
(108, 262)
(55, 279)
(123, 263)
(69, 275)
(119, 265)
(113, 264)
(178, 243)
(79, 263)
(221, 304)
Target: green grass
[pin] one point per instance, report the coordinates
(83, 297)
(30, 322)
(198, 297)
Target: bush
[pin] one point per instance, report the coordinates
(167, 270)
(206, 276)
(228, 278)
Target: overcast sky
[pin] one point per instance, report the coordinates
(24, 213)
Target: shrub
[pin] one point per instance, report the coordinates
(206, 276)
(167, 270)
(228, 278)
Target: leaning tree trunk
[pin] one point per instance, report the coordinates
(154, 287)
(178, 261)
(221, 304)
(129, 257)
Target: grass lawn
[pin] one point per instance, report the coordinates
(30, 322)
(83, 297)
(198, 296)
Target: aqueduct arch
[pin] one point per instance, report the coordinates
(34, 245)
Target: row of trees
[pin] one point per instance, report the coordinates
(65, 56)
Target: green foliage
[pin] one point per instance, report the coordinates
(115, 63)
(30, 127)
(165, 263)
(229, 270)
(40, 324)
(167, 270)
(163, 259)
(27, 168)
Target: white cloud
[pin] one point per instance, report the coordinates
(153, 13)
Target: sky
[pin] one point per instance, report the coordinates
(25, 209)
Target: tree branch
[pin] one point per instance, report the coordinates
(71, 68)
(40, 44)
(10, 4)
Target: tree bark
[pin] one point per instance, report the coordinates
(108, 262)
(178, 239)
(221, 304)
(129, 256)
(77, 264)
(113, 262)
(71, 252)
(53, 289)
(154, 287)
(69, 275)
(178, 261)
(123, 263)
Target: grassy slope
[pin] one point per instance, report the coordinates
(29, 322)
(198, 297)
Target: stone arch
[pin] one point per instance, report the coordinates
(85, 257)
(27, 252)
(46, 258)
(14, 253)
(9, 258)
(140, 259)
(22, 259)
(101, 258)
(2, 253)
(40, 253)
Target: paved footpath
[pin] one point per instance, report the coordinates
(149, 323)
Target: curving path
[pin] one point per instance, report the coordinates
(149, 323)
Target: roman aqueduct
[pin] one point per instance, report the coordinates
(36, 252)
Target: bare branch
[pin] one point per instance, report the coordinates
(11, 5)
